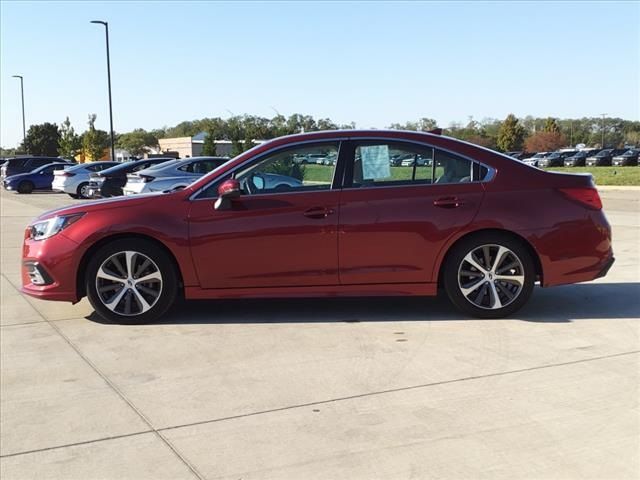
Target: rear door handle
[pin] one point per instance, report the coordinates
(448, 202)
(319, 212)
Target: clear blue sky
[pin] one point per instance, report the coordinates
(370, 62)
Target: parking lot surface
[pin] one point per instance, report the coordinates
(322, 389)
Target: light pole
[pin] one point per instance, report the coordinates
(106, 30)
(603, 115)
(24, 129)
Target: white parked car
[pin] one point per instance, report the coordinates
(171, 175)
(75, 180)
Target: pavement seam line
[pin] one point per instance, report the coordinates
(191, 467)
(395, 390)
(118, 392)
(321, 402)
(75, 444)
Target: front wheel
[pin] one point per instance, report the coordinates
(131, 281)
(489, 275)
(25, 187)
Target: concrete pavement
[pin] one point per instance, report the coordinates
(369, 388)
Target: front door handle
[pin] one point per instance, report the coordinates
(448, 202)
(319, 212)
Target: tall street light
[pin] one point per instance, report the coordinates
(24, 129)
(603, 115)
(106, 30)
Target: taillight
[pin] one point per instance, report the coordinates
(65, 174)
(586, 196)
(147, 178)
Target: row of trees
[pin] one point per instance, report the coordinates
(511, 134)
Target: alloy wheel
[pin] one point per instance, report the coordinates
(84, 191)
(129, 283)
(491, 276)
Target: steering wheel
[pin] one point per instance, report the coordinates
(249, 185)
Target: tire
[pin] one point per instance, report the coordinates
(473, 289)
(111, 285)
(82, 190)
(25, 187)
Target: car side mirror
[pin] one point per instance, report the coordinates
(228, 191)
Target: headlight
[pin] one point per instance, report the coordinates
(51, 226)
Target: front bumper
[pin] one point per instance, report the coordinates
(56, 260)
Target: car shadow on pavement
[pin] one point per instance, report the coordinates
(557, 304)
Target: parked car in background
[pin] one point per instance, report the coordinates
(533, 161)
(472, 226)
(171, 175)
(555, 159)
(627, 159)
(110, 181)
(603, 158)
(74, 181)
(25, 164)
(578, 159)
(38, 179)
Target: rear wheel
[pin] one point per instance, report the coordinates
(25, 187)
(489, 275)
(83, 190)
(131, 281)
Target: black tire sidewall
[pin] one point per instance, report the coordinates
(161, 259)
(465, 246)
(25, 187)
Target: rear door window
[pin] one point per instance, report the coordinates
(392, 163)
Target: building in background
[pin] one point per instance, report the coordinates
(186, 147)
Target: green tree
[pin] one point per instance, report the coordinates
(551, 126)
(137, 141)
(511, 134)
(248, 144)
(42, 139)
(422, 125)
(70, 143)
(209, 147)
(94, 141)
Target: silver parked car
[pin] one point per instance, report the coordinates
(171, 175)
(75, 180)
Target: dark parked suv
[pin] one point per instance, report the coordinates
(556, 159)
(109, 182)
(13, 166)
(603, 159)
(628, 158)
(578, 159)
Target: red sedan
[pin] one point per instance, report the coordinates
(381, 213)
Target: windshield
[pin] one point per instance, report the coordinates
(604, 153)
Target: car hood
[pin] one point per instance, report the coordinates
(104, 204)
(17, 176)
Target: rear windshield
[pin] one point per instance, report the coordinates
(163, 164)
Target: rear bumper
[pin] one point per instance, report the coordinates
(575, 253)
(607, 266)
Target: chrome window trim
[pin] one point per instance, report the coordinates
(487, 178)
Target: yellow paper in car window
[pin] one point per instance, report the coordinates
(375, 162)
